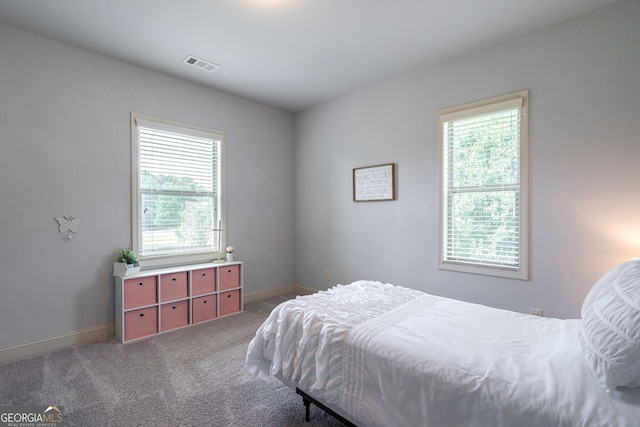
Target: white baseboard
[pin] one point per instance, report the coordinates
(301, 290)
(257, 296)
(46, 345)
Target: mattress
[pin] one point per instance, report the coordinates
(387, 355)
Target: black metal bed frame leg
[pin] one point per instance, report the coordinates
(308, 400)
(307, 406)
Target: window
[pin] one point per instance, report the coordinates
(177, 211)
(483, 187)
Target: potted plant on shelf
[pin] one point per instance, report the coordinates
(229, 253)
(127, 263)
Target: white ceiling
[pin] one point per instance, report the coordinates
(290, 54)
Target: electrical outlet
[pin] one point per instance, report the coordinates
(327, 275)
(536, 311)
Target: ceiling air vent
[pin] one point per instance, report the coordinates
(201, 63)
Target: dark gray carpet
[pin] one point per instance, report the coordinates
(190, 377)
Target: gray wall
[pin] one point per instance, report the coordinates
(584, 77)
(65, 150)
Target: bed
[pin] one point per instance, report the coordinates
(376, 354)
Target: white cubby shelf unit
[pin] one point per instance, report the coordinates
(161, 300)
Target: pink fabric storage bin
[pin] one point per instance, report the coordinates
(229, 302)
(229, 277)
(203, 281)
(140, 323)
(204, 308)
(140, 292)
(173, 286)
(174, 315)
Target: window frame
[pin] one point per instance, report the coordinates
(469, 110)
(187, 129)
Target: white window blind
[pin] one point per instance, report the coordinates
(483, 187)
(178, 192)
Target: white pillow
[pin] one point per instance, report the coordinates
(610, 331)
(604, 282)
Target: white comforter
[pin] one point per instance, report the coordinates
(390, 356)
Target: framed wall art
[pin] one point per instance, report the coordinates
(374, 183)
